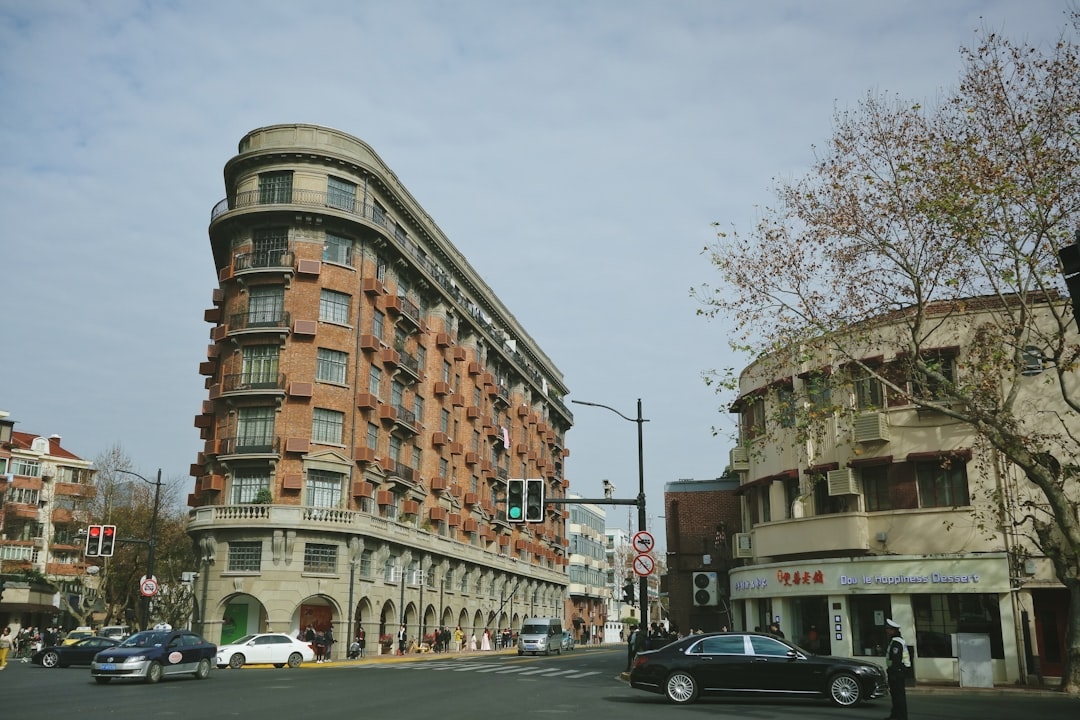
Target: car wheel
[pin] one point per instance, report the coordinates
(203, 670)
(236, 661)
(844, 690)
(681, 688)
(102, 680)
(295, 660)
(50, 659)
(154, 672)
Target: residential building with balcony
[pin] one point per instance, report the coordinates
(46, 492)
(873, 508)
(368, 396)
(588, 592)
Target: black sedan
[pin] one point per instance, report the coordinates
(80, 652)
(753, 665)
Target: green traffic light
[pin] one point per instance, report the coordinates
(515, 513)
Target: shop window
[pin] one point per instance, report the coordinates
(868, 613)
(938, 618)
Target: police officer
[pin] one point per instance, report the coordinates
(897, 666)
(631, 647)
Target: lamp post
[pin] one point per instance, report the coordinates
(152, 542)
(643, 582)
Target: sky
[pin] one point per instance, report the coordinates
(577, 152)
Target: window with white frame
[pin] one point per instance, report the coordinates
(375, 381)
(334, 307)
(254, 429)
(266, 306)
(330, 366)
(247, 482)
(340, 194)
(260, 366)
(245, 557)
(327, 425)
(323, 488)
(337, 250)
(25, 467)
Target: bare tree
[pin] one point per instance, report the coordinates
(908, 214)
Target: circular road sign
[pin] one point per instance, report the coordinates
(643, 541)
(644, 565)
(148, 586)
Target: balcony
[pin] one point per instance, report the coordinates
(409, 366)
(262, 261)
(253, 384)
(246, 446)
(404, 308)
(404, 420)
(249, 323)
(402, 472)
(826, 534)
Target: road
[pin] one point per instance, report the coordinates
(451, 687)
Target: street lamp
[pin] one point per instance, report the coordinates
(643, 584)
(150, 543)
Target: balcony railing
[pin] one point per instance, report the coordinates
(263, 260)
(253, 382)
(248, 446)
(259, 320)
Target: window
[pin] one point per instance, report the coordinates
(255, 429)
(337, 250)
(418, 409)
(444, 420)
(334, 307)
(260, 366)
(875, 482)
(869, 393)
(375, 381)
(247, 483)
(275, 187)
(446, 371)
(365, 563)
(939, 617)
(377, 322)
(269, 246)
(326, 426)
(942, 483)
(378, 214)
(330, 366)
(26, 468)
(397, 393)
(373, 436)
(818, 393)
(927, 386)
(319, 558)
(791, 496)
(768, 647)
(323, 488)
(340, 194)
(752, 418)
(824, 503)
(785, 400)
(265, 306)
(868, 613)
(245, 556)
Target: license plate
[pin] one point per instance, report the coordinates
(108, 666)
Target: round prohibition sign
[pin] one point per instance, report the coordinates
(148, 587)
(644, 565)
(643, 542)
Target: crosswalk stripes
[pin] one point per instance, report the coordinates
(494, 668)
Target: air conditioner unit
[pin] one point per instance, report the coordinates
(843, 482)
(706, 589)
(739, 459)
(871, 427)
(744, 545)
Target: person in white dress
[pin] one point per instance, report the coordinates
(485, 643)
(472, 642)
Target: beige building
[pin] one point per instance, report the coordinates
(882, 510)
(368, 396)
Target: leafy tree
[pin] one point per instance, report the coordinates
(908, 213)
(127, 501)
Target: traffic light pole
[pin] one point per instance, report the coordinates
(152, 542)
(643, 584)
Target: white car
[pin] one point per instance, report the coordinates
(277, 649)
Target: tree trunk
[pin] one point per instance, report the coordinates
(1070, 676)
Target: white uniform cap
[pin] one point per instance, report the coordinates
(892, 623)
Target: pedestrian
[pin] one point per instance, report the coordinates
(445, 638)
(6, 644)
(897, 667)
(775, 631)
(361, 641)
(472, 642)
(402, 637)
(459, 638)
(328, 640)
(320, 646)
(630, 643)
(485, 642)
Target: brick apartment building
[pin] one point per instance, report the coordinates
(702, 518)
(368, 396)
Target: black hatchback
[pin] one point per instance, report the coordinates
(753, 665)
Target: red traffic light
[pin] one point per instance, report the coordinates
(93, 541)
(95, 531)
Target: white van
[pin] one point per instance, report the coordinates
(115, 632)
(540, 635)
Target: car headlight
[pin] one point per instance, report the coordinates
(136, 658)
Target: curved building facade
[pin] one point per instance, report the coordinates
(368, 396)
(871, 508)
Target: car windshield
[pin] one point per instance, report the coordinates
(146, 639)
(535, 629)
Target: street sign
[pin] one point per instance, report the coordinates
(644, 565)
(148, 586)
(643, 542)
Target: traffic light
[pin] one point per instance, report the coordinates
(706, 589)
(108, 540)
(628, 593)
(93, 541)
(534, 500)
(515, 500)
